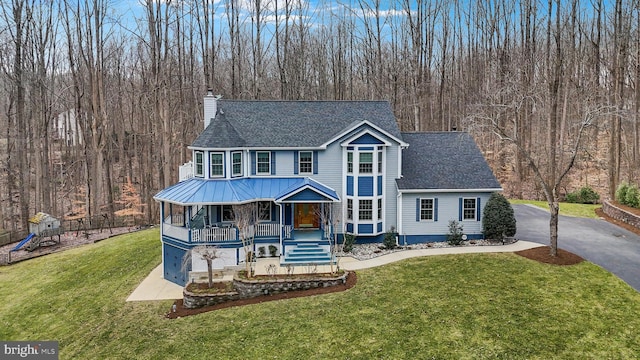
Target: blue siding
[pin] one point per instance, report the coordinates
(379, 227)
(365, 228)
(350, 227)
(421, 239)
(288, 214)
(379, 185)
(273, 163)
(365, 185)
(315, 162)
(307, 195)
(350, 185)
(367, 139)
(253, 162)
(173, 263)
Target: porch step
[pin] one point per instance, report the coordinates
(306, 254)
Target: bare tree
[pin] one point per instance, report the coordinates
(209, 254)
(244, 218)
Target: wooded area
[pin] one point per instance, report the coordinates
(94, 93)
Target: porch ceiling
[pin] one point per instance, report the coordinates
(197, 191)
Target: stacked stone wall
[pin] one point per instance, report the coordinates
(250, 288)
(621, 214)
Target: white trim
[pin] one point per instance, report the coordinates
(195, 164)
(357, 135)
(258, 172)
(232, 174)
(433, 209)
(417, 191)
(300, 162)
(475, 208)
(357, 125)
(211, 153)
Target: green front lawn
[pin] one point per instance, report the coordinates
(568, 209)
(463, 307)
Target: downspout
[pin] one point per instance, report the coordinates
(399, 213)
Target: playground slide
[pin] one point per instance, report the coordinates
(24, 241)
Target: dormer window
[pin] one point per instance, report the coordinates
(216, 164)
(263, 162)
(199, 163)
(236, 159)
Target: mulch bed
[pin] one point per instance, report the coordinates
(543, 255)
(182, 311)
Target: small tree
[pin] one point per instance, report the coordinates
(208, 254)
(455, 233)
(130, 199)
(389, 241)
(498, 219)
(244, 218)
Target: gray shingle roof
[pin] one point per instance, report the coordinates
(241, 123)
(444, 160)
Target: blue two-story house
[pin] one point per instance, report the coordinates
(312, 170)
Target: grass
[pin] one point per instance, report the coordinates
(465, 307)
(568, 209)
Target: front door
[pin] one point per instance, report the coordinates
(306, 216)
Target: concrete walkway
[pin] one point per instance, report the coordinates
(154, 287)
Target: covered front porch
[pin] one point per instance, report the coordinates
(293, 215)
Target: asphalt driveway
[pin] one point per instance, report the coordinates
(595, 240)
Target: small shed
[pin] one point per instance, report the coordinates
(43, 224)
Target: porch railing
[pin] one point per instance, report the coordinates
(214, 234)
(175, 219)
(266, 230)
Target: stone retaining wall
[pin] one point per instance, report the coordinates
(250, 288)
(620, 214)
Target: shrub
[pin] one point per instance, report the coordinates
(498, 219)
(389, 241)
(455, 233)
(632, 196)
(586, 195)
(273, 251)
(349, 240)
(621, 192)
(261, 251)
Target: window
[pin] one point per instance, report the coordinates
(227, 213)
(264, 162)
(236, 159)
(305, 162)
(199, 170)
(469, 209)
(264, 211)
(379, 209)
(216, 165)
(426, 209)
(380, 162)
(366, 162)
(365, 210)
(349, 209)
(350, 162)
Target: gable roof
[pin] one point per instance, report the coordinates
(269, 124)
(444, 161)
